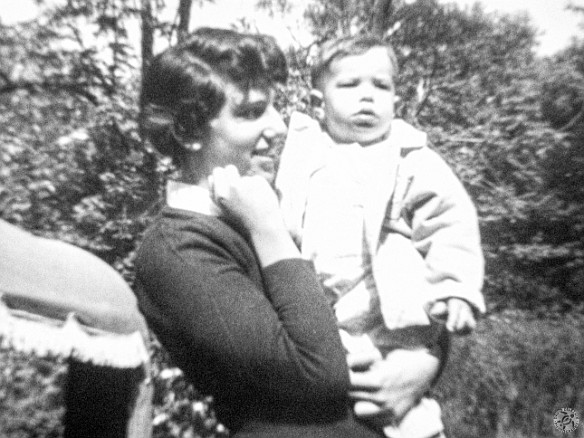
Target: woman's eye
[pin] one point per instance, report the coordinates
(251, 113)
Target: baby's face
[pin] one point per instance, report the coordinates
(358, 95)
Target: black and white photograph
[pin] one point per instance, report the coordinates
(291, 218)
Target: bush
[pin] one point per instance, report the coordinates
(31, 396)
(180, 411)
(512, 375)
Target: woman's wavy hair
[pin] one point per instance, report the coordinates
(183, 88)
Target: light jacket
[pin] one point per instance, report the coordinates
(421, 223)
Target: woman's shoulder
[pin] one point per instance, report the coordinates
(183, 224)
(178, 231)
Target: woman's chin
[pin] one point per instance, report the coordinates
(264, 167)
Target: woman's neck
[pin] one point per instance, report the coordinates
(192, 171)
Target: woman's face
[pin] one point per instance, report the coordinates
(244, 131)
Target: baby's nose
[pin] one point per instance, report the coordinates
(367, 91)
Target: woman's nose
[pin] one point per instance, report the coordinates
(275, 126)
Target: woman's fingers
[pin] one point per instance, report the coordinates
(364, 409)
(222, 181)
(365, 380)
(362, 360)
(374, 413)
(366, 396)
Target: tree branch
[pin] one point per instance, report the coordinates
(573, 120)
(429, 88)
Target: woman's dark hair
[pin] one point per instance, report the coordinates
(183, 88)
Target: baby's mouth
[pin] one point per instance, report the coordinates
(365, 118)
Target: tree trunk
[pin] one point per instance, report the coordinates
(380, 18)
(147, 43)
(184, 18)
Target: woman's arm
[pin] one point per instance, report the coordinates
(270, 335)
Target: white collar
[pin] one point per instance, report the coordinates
(190, 197)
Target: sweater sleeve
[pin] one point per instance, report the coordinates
(280, 343)
(445, 231)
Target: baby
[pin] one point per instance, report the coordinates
(391, 231)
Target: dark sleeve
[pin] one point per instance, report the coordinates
(281, 342)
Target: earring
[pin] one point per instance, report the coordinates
(316, 97)
(193, 147)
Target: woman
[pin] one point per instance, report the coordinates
(219, 279)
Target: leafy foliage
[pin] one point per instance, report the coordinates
(73, 167)
(31, 396)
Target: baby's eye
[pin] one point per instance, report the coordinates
(383, 85)
(347, 84)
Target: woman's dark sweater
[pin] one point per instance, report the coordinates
(264, 343)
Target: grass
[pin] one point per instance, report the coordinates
(512, 375)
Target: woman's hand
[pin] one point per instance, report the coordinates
(386, 389)
(251, 202)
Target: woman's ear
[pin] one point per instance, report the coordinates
(188, 138)
(317, 104)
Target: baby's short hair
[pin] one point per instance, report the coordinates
(347, 46)
(183, 88)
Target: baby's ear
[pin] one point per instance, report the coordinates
(317, 104)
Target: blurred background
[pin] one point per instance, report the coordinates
(499, 87)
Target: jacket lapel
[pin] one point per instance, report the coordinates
(403, 136)
(377, 201)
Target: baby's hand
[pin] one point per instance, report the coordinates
(457, 313)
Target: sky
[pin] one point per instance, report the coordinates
(556, 24)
